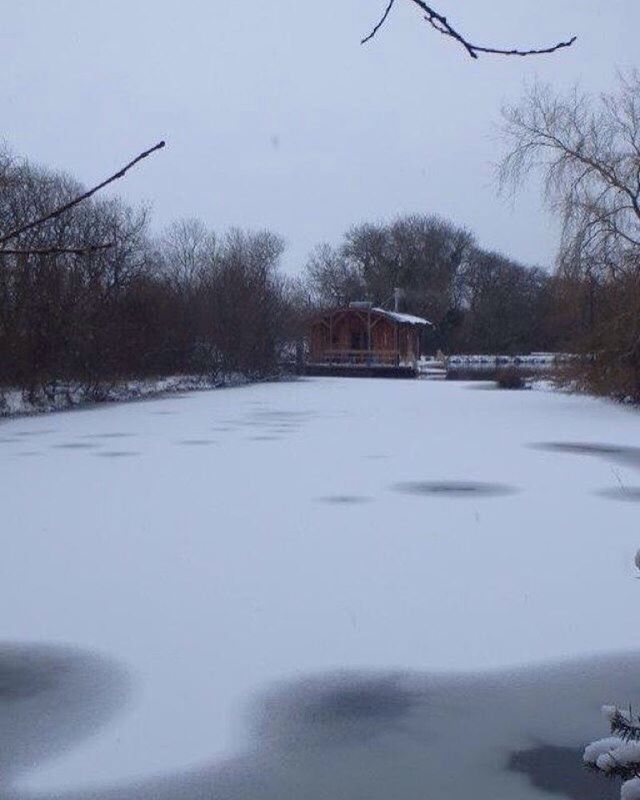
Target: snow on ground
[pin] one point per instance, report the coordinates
(219, 543)
(17, 402)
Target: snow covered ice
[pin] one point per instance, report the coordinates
(228, 547)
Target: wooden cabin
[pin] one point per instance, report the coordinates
(360, 339)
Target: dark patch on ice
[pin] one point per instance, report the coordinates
(282, 419)
(29, 453)
(9, 441)
(51, 698)
(343, 707)
(559, 770)
(405, 735)
(344, 499)
(118, 454)
(377, 457)
(42, 432)
(286, 415)
(581, 448)
(74, 446)
(628, 494)
(19, 680)
(163, 413)
(621, 454)
(108, 435)
(197, 442)
(264, 438)
(454, 488)
(381, 699)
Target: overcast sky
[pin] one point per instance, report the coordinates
(276, 117)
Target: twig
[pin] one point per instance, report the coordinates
(380, 24)
(47, 251)
(441, 24)
(81, 198)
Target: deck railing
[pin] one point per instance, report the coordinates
(365, 358)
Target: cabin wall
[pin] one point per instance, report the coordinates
(349, 330)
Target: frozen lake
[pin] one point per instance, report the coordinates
(319, 589)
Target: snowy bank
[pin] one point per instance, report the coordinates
(17, 402)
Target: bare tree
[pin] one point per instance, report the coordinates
(187, 247)
(422, 254)
(441, 24)
(588, 152)
(333, 280)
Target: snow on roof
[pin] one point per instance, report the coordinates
(408, 319)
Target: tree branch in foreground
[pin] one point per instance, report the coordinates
(81, 198)
(443, 26)
(81, 250)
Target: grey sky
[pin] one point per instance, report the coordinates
(276, 117)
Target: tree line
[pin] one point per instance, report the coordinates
(479, 301)
(189, 300)
(186, 301)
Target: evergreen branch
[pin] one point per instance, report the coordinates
(624, 727)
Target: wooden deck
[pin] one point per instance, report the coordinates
(361, 364)
(355, 371)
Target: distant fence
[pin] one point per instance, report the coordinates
(475, 367)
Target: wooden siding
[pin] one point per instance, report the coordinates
(360, 336)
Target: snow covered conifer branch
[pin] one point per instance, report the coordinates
(618, 756)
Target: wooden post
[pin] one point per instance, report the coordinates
(330, 334)
(397, 336)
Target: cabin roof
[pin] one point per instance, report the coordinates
(407, 319)
(394, 316)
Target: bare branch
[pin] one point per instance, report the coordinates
(81, 250)
(441, 24)
(380, 24)
(81, 198)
